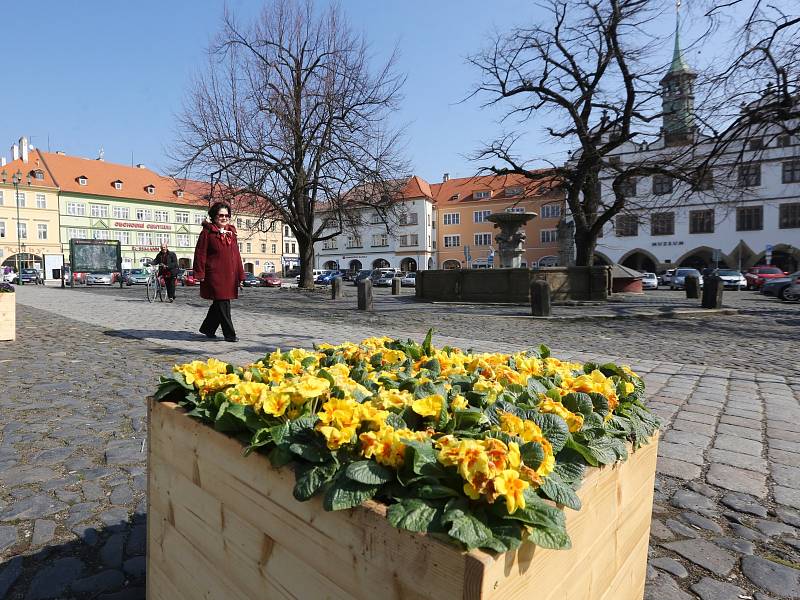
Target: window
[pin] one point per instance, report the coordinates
(263, 248)
(515, 209)
(408, 219)
(143, 238)
(286, 231)
(150, 189)
(76, 209)
(551, 211)
(199, 218)
(274, 248)
(124, 237)
(240, 246)
(21, 199)
(701, 221)
(162, 216)
(354, 241)
(118, 185)
(749, 218)
(179, 193)
(82, 181)
(451, 241)
(76, 234)
(514, 191)
(162, 238)
(409, 240)
(451, 219)
(380, 239)
(38, 174)
(98, 210)
(23, 230)
(791, 171)
(784, 141)
(181, 217)
(121, 212)
(238, 223)
(2, 229)
(614, 160)
(294, 248)
(547, 236)
(481, 195)
(41, 201)
(756, 144)
(750, 175)
(628, 187)
(1, 197)
(375, 219)
(41, 231)
(483, 239)
(247, 223)
(627, 225)
(479, 216)
(704, 180)
(286, 248)
(662, 223)
(789, 215)
(144, 214)
(183, 240)
(662, 184)
(100, 234)
(249, 247)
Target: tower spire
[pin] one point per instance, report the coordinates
(677, 93)
(678, 62)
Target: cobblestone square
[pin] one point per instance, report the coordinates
(72, 447)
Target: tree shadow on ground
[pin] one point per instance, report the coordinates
(105, 562)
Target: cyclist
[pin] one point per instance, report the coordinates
(168, 269)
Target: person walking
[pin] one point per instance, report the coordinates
(218, 267)
(168, 269)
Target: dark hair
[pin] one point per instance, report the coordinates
(216, 207)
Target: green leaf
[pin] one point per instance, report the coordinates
(396, 421)
(468, 419)
(536, 387)
(554, 428)
(470, 531)
(545, 537)
(279, 456)
(578, 402)
(544, 351)
(558, 491)
(311, 452)
(413, 514)
(433, 366)
(169, 388)
(420, 456)
(368, 472)
(508, 532)
(311, 478)
(427, 346)
(308, 361)
(532, 454)
(278, 432)
(345, 493)
(569, 467)
(430, 491)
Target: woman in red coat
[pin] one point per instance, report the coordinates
(218, 267)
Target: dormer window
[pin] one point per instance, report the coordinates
(455, 197)
(82, 180)
(117, 184)
(179, 193)
(514, 191)
(482, 195)
(38, 174)
(150, 189)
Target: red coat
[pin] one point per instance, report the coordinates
(217, 263)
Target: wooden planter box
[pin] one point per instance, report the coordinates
(8, 317)
(221, 525)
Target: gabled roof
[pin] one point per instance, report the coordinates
(416, 187)
(465, 187)
(35, 163)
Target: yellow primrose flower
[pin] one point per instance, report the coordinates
(509, 484)
(275, 403)
(491, 388)
(629, 388)
(247, 393)
(336, 438)
(389, 398)
(217, 383)
(340, 412)
(310, 386)
(429, 406)
(459, 403)
(548, 405)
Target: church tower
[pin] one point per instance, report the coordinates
(677, 96)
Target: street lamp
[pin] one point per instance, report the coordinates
(16, 179)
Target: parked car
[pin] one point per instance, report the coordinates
(30, 276)
(270, 280)
(189, 278)
(80, 278)
(137, 277)
(327, 278)
(791, 293)
(679, 278)
(774, 287)
(99, 279)
(410, 280)
(315, 272)
(251, 280)
(380, 273)
(756, 276)
(666, 277)
(731, 278)
(649, 281)
(361, 275)
(7, 275)
(386, 277)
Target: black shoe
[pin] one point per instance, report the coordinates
(233, 339)
(172, 300)
(208, 335)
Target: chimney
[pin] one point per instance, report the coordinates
(14, 152)
(2, 161)
(445, 177)
(140, 166)
(23, 146)
(60, 153)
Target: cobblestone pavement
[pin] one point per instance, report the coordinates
(72, 468)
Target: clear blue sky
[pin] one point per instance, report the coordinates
(92, 74)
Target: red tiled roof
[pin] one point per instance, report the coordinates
(35, 163)
(465, 187)
(416, 187)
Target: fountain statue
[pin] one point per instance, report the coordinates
(511, 239)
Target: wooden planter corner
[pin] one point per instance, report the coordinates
(221, 525)
(8, 317)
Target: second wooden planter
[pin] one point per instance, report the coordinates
(8, 317)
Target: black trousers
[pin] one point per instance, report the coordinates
(169, 282)
(219, 314)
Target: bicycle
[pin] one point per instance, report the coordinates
(155, 284)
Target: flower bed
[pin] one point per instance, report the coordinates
(477, 450)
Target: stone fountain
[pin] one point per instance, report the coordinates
(511, 239)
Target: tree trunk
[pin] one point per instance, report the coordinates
(306, 248)
(584, 249)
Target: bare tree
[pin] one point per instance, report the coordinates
(289, 118)
(588, 79)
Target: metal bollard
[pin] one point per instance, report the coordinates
(336, 288)
(712, 292)
(395, 286)
(540, 298)
(692, 285)
(365, 294)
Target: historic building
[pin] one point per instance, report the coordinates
(464, 237)
(745, 211)
(29, 234)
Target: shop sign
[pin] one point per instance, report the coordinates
(134, 225)
(669, 243)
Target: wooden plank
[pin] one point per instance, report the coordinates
(8, 317)
(239, 517)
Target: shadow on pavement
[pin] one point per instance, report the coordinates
(104, 563)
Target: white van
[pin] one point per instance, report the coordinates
(317, 273)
